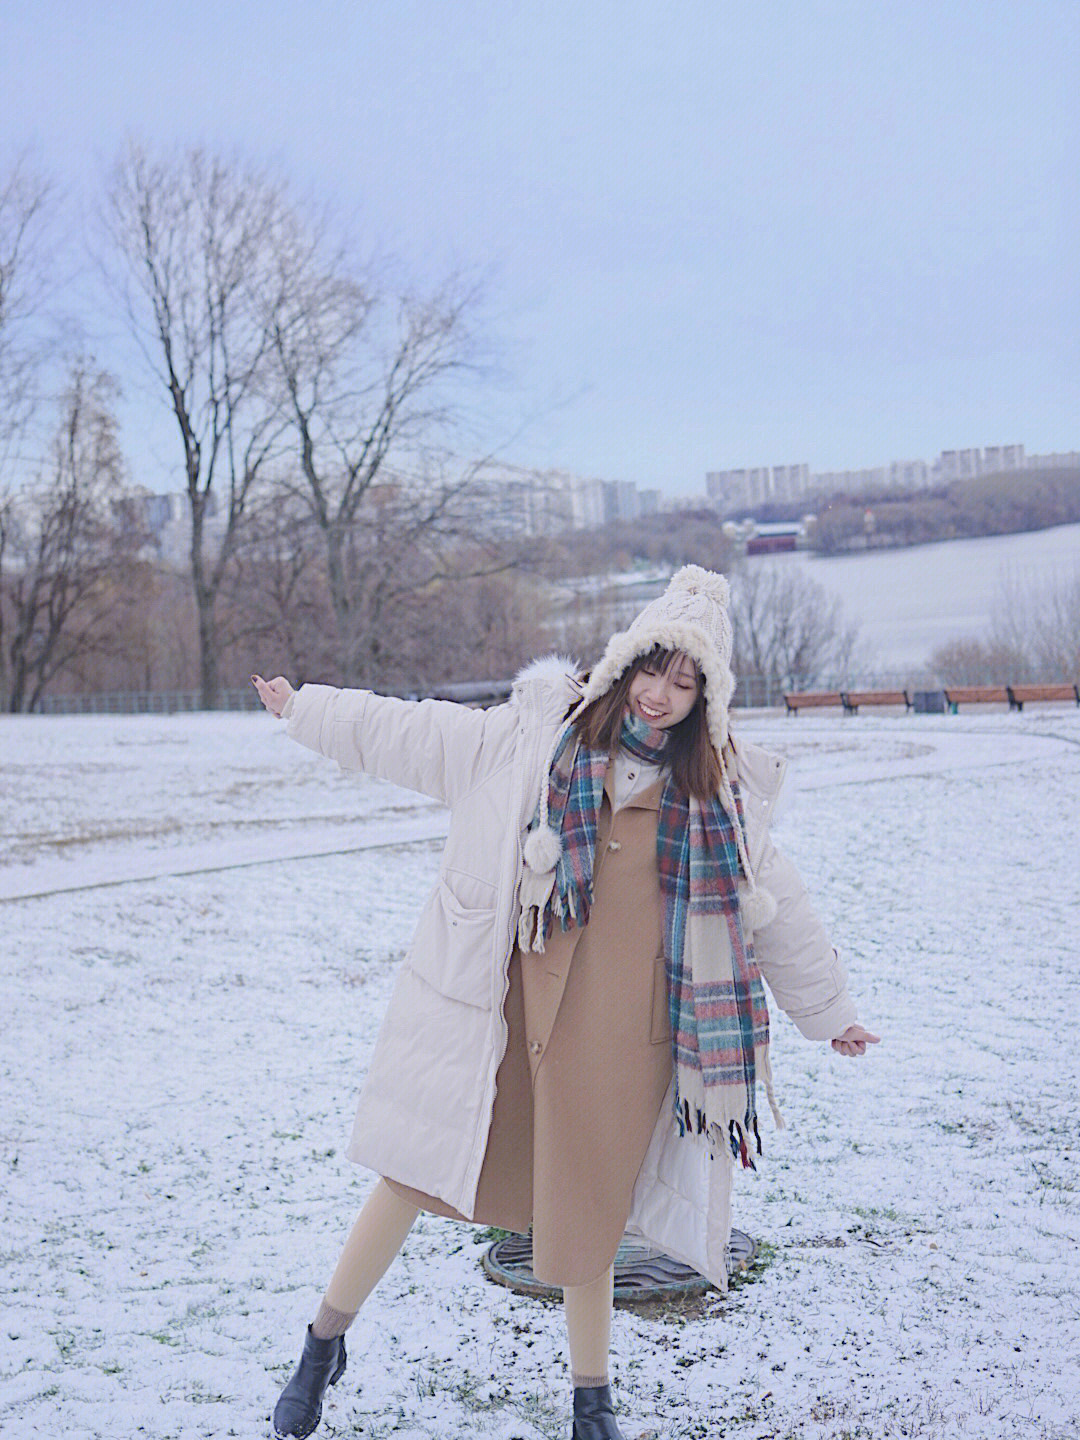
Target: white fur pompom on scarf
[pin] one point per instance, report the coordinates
(542, 850)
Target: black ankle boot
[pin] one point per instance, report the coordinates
(299, 1408)
(594, 1417)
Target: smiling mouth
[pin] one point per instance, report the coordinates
(650, 714)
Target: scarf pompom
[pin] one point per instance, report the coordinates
(758, 908)
(542, 850)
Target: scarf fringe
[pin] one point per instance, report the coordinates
(532, 927)
(728, 1132)
(695, 1122)
(535, 892)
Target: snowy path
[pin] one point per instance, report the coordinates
(184, 1038)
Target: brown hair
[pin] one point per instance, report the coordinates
(695, 765)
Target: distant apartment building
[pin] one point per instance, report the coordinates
(998, 458)
(621, 501)
(898, 475)
(587, 499)
(759, 485)
(790, 482)
(500, 502)
(168, 519)
(909, 474)
(967, 464)
(507, 500)
(958, 464)
(1063, 460)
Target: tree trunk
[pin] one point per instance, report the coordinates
(17, 694)
(205, 592)
(337, 578)
(209, 675)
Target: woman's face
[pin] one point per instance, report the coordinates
(664, 697)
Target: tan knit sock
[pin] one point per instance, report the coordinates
(329, 1323)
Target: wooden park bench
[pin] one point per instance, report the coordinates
(957, 695)
(852, 699)
(811, 700)
(1020, 694)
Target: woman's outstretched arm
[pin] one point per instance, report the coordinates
(436, 747)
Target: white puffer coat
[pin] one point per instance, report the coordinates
(425, 1106)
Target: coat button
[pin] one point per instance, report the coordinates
(615, 845)
(535, 1047)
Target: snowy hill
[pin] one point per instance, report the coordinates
(200, 927)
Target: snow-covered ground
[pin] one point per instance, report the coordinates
(200, 923)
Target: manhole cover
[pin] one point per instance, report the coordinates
(641, 1271)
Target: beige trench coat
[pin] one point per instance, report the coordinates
(587, 1064)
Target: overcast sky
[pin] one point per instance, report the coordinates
(715, 234)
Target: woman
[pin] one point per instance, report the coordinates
(575, 1036)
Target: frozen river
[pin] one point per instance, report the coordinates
(908, 602)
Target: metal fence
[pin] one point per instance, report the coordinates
(145, 702)
(752, 691)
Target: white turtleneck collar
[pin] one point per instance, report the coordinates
(630, 776)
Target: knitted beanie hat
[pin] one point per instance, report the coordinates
(691, 615)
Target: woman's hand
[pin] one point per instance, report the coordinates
(854, 1041)
(274, 694)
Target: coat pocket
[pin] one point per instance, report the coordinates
(453, 946)
(660, 1030)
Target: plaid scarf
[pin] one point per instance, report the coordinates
(719, 1021)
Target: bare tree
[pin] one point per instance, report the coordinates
(480, 629)
(1039, 622)
(968, 660)
(1033, 635)
(366, 377)
(64, 538)
(787, 629)
(145, 640)
(840, 524)
(194, 236)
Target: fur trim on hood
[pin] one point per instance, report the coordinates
(554, 669)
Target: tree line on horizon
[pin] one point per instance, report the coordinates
(1000, 504)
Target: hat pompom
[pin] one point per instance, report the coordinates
(542, 850)
(758, 908)
(697, 581)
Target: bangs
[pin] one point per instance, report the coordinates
(663, 661)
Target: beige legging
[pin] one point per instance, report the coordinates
(378, 1235)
